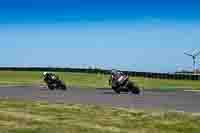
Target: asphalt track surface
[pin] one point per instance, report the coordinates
(149, 99)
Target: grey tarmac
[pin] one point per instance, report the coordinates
(177, 100)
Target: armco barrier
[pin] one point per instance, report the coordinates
(131, 73)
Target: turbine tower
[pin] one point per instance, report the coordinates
(194, 56)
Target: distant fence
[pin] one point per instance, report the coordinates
(84, 70)
(165, 76)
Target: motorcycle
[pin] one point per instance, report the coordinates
(123, 84)
(55, 83)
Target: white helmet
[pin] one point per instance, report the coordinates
(44, 73)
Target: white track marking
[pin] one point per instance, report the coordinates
(192, 90)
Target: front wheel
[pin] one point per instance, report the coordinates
(51, 87)
(116, 89)
(133, 88)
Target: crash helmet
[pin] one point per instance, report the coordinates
(114, 72)
(45, 73)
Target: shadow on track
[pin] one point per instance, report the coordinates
(109, 91)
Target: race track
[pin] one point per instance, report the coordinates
(149, 99)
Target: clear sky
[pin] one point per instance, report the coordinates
(142, 35)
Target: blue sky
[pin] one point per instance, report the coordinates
(142, 35)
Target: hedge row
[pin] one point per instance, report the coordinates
(131, 73)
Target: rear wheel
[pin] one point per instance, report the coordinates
(133, 88)
(62, 86)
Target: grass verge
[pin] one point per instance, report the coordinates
(40, 117)
(86, 80)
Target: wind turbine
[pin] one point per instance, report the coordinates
(194, 57)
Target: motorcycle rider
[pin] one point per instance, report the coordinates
(120, 81)
(53, 82)
(49, 76)
(119, 76)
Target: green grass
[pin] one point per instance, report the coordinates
(165, 84)
(90, 80)
(41, 117)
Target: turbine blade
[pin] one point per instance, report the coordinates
(188, 54)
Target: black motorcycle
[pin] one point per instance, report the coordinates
(53, 82)
(124, 84)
